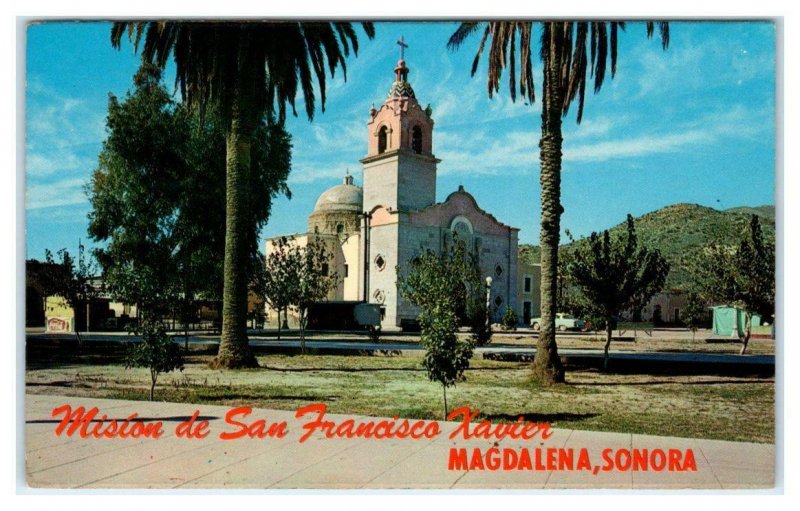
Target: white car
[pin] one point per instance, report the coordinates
(564, 322)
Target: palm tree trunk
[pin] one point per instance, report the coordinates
(547, 367)
(234, 347)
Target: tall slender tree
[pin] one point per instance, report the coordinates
(571, 53)
(247, 70)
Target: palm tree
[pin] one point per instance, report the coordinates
(569, 51)
(247, 70)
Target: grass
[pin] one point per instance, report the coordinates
(727, 408)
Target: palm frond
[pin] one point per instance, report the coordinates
(503, 39)
(214, 58)
(463, 31)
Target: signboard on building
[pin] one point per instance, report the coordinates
(59, 325)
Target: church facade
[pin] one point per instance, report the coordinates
(371, 231)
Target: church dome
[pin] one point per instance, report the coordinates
(343, 197)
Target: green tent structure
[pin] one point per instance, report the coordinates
(729, 321)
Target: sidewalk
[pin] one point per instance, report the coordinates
(320, 463)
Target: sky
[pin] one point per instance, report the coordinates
(693, 124)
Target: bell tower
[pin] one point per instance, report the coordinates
(400, 168)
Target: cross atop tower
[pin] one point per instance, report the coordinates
(401, 71)
(402, 44)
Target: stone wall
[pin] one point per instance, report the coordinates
(493, 252)
(380, 183)
(328, 222)
(400, 180)
(383, 242)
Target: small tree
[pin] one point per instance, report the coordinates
(432, 283)
(614, 273)
(156, 351)
(279, 280)
(743, 276)
(314, 280)
(73, 283)
(510, 319)
(694, 314)
(46, 275)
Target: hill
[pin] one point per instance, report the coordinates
(679, 231)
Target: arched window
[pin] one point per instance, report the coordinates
(382, 134)
(416, 140)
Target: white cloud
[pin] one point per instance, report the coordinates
(330, 172)
(685, 66)
(600, 139)
(737, 121)
(337, 137)
(60, 121)
(49, 163)
(590, 128)
(61, 193)
(63, 135)
(635, 147)
(483, 152)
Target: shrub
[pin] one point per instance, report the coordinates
(510, 319)
(156, 351)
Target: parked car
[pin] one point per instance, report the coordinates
(564, 322)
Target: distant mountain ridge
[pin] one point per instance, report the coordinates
(679, 231)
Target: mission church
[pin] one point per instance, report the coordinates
(395, 217)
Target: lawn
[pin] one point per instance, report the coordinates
(718, 407)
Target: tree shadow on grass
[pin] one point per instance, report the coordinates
(256, 397)
(668, 382)
(60, 383)
(539, 417)
(135, 419)
(341, 369)
(370, 369)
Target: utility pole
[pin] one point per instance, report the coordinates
(367, 217)
(488, 302)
